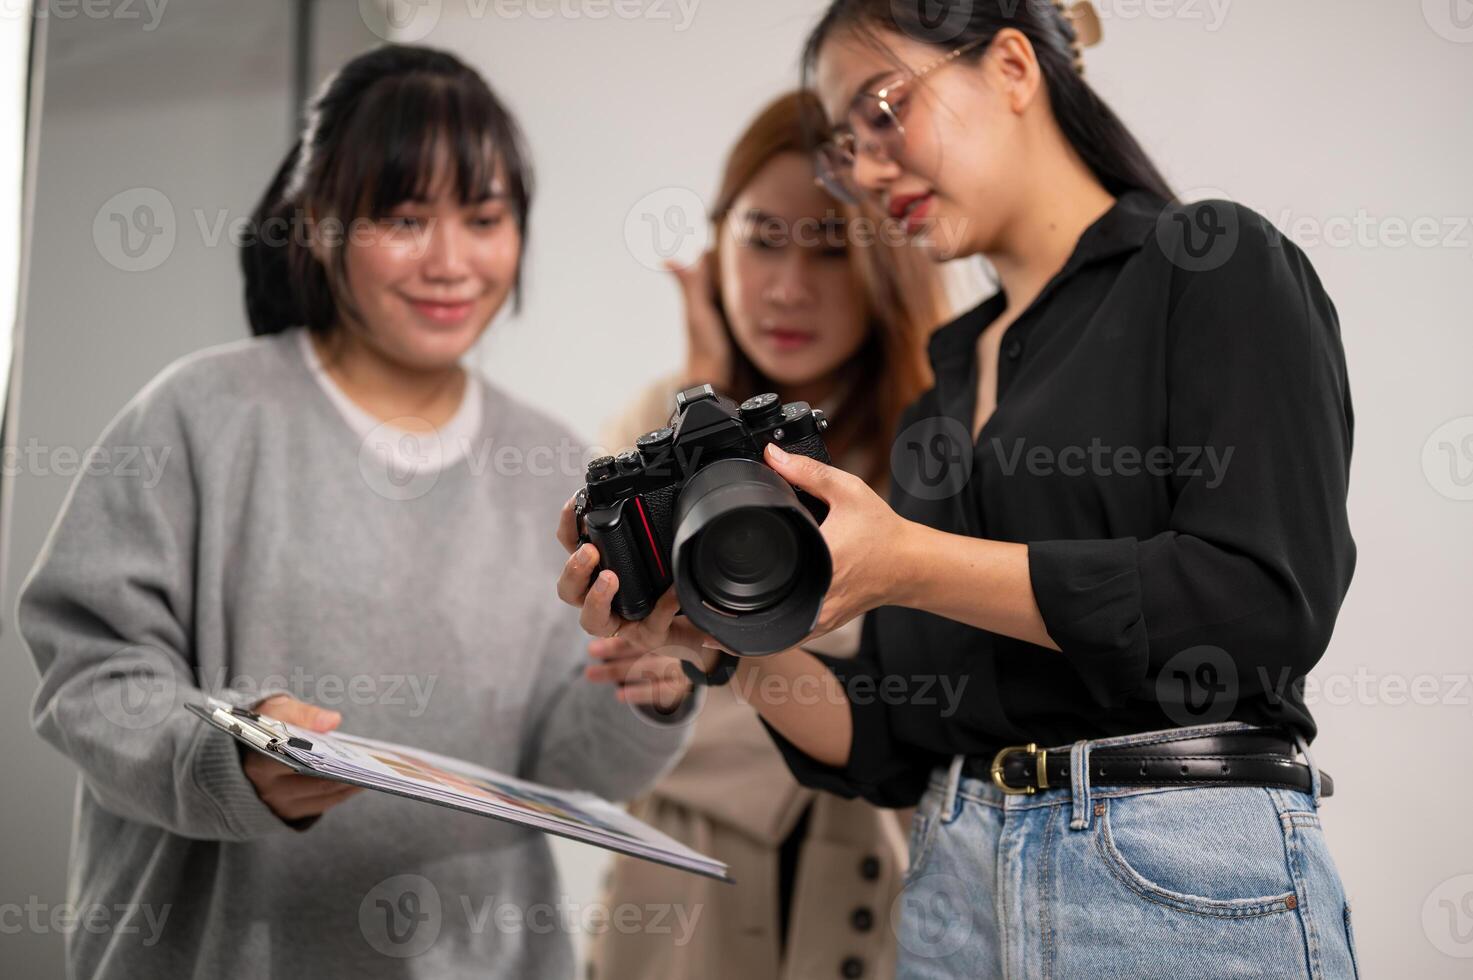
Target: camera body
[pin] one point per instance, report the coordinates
(694, 504)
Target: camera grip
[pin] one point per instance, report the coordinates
(811, 446)
(618, 551)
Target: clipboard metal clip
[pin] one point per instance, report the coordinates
(262, 732)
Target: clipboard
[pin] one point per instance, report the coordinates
(416, 774)
(265, 735)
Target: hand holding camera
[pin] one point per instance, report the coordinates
(874, 550)
(693, 505)
(765, 580)
(642, 659)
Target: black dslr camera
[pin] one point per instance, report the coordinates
(694, 504)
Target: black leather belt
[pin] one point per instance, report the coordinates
(1257, 758)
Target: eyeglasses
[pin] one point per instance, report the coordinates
(873, 125)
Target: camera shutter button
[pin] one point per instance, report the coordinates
(653, 442)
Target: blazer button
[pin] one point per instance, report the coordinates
(852, 968)
(1014, 349)
(869, 868)
(862, 919)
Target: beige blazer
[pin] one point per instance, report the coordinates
(731, 796)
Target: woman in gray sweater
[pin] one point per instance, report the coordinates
(340, 525)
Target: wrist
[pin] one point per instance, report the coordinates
(908, 566)
(746, 671)
(749, 672)
(711, 668)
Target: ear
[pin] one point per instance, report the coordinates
(1014, 65)
(315, 243)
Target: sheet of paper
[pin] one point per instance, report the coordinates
(457, 782)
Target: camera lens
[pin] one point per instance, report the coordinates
(750, 565)
(747, 559)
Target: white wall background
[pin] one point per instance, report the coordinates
(1346, 121)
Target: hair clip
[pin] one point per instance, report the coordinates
(1084, 25)
(1085, 20)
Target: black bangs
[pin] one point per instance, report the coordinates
(388, 127)
(413, 130)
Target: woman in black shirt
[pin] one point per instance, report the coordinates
(1117, 530)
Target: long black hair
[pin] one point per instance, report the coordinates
(1107, 147)
(374, 137)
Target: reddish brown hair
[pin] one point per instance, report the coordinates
(903, 300)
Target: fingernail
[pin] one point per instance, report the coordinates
(605, 581)
(777, 452)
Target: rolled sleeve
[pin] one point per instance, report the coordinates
(1089, 593)
(1258, 553)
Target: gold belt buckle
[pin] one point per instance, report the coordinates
(1040, 760)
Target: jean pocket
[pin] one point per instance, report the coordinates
(922, 829)
(1215, 851)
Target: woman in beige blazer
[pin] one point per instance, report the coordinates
(806, 297)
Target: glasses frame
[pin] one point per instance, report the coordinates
(835, 157)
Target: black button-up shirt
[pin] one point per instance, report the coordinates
(1172, 441)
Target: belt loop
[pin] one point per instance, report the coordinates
(1314, 770)
(952, 800)
(1079, 778)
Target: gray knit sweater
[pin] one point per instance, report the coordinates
(234, 536)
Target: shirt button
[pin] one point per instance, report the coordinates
(1014, 349)
(862, 919)
(852, 968)
(869, 868)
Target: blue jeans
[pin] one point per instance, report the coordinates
(1136, 883)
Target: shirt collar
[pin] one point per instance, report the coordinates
(1120, 230)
